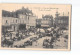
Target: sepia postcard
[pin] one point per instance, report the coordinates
(35, 26)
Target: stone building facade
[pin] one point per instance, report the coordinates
(26, 19)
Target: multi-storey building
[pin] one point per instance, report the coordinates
(21, 21)
(62, 21)
(10, 23)
(47, 21)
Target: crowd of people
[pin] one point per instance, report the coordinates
(9, 37)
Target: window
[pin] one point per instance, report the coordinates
(6, 21)
(16, 21)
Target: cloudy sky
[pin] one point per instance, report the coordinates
(39, 9)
